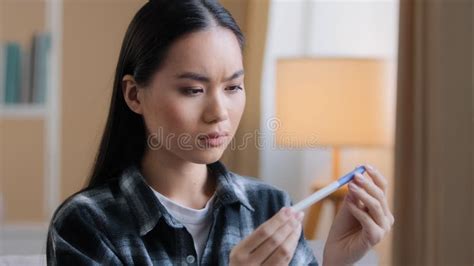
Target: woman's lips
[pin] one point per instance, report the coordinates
(214, 139)
(215, 134)
(213, 142)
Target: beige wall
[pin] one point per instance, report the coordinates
(26, 16)
(92, 33)
(22, 172)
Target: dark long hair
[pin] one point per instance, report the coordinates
(150, 34)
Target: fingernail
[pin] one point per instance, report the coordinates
(359, 178)
(287, 212)
(370, 167)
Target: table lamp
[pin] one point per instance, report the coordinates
(333, 102)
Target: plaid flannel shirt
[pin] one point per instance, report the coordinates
(123, 223)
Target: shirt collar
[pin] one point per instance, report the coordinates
(148, 210)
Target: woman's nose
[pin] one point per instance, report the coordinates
(216, 109)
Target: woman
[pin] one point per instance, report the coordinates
(158, 193)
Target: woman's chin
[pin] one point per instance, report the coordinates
(206, 156)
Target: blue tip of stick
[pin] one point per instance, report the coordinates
(348, 177)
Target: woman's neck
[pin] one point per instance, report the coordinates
(187, 183)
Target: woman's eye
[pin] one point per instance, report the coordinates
(235, 88)
(191, 91)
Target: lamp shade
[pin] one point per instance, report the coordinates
(331, 102)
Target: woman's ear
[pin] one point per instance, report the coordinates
(132, 94)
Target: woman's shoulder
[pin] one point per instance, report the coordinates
(254, 183)
(91, 205)
(83, 226)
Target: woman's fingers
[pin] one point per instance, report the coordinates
(373, 231)
(378, 178)
(267, 238)
(262, 252)
(375, 192)
(266, 230)
(382, 183)
(285, 252)
(374, 206)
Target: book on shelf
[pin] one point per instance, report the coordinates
(24, 72)
(42, 45)
(25, 89)
(12, 72)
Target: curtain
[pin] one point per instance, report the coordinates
(433, 143)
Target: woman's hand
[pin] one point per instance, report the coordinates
(272, 243)
(362, 221)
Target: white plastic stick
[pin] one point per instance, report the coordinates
(324, 192)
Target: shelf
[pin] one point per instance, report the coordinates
(23, 111)
(19, 119)
(23, 239)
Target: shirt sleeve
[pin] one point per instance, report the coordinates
(73, 239)
(304, 254)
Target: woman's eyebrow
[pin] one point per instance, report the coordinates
(202, 78)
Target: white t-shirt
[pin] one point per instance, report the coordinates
(197, 222)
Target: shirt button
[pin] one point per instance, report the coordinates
(190, 259)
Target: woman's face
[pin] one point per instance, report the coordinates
(198, 90)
